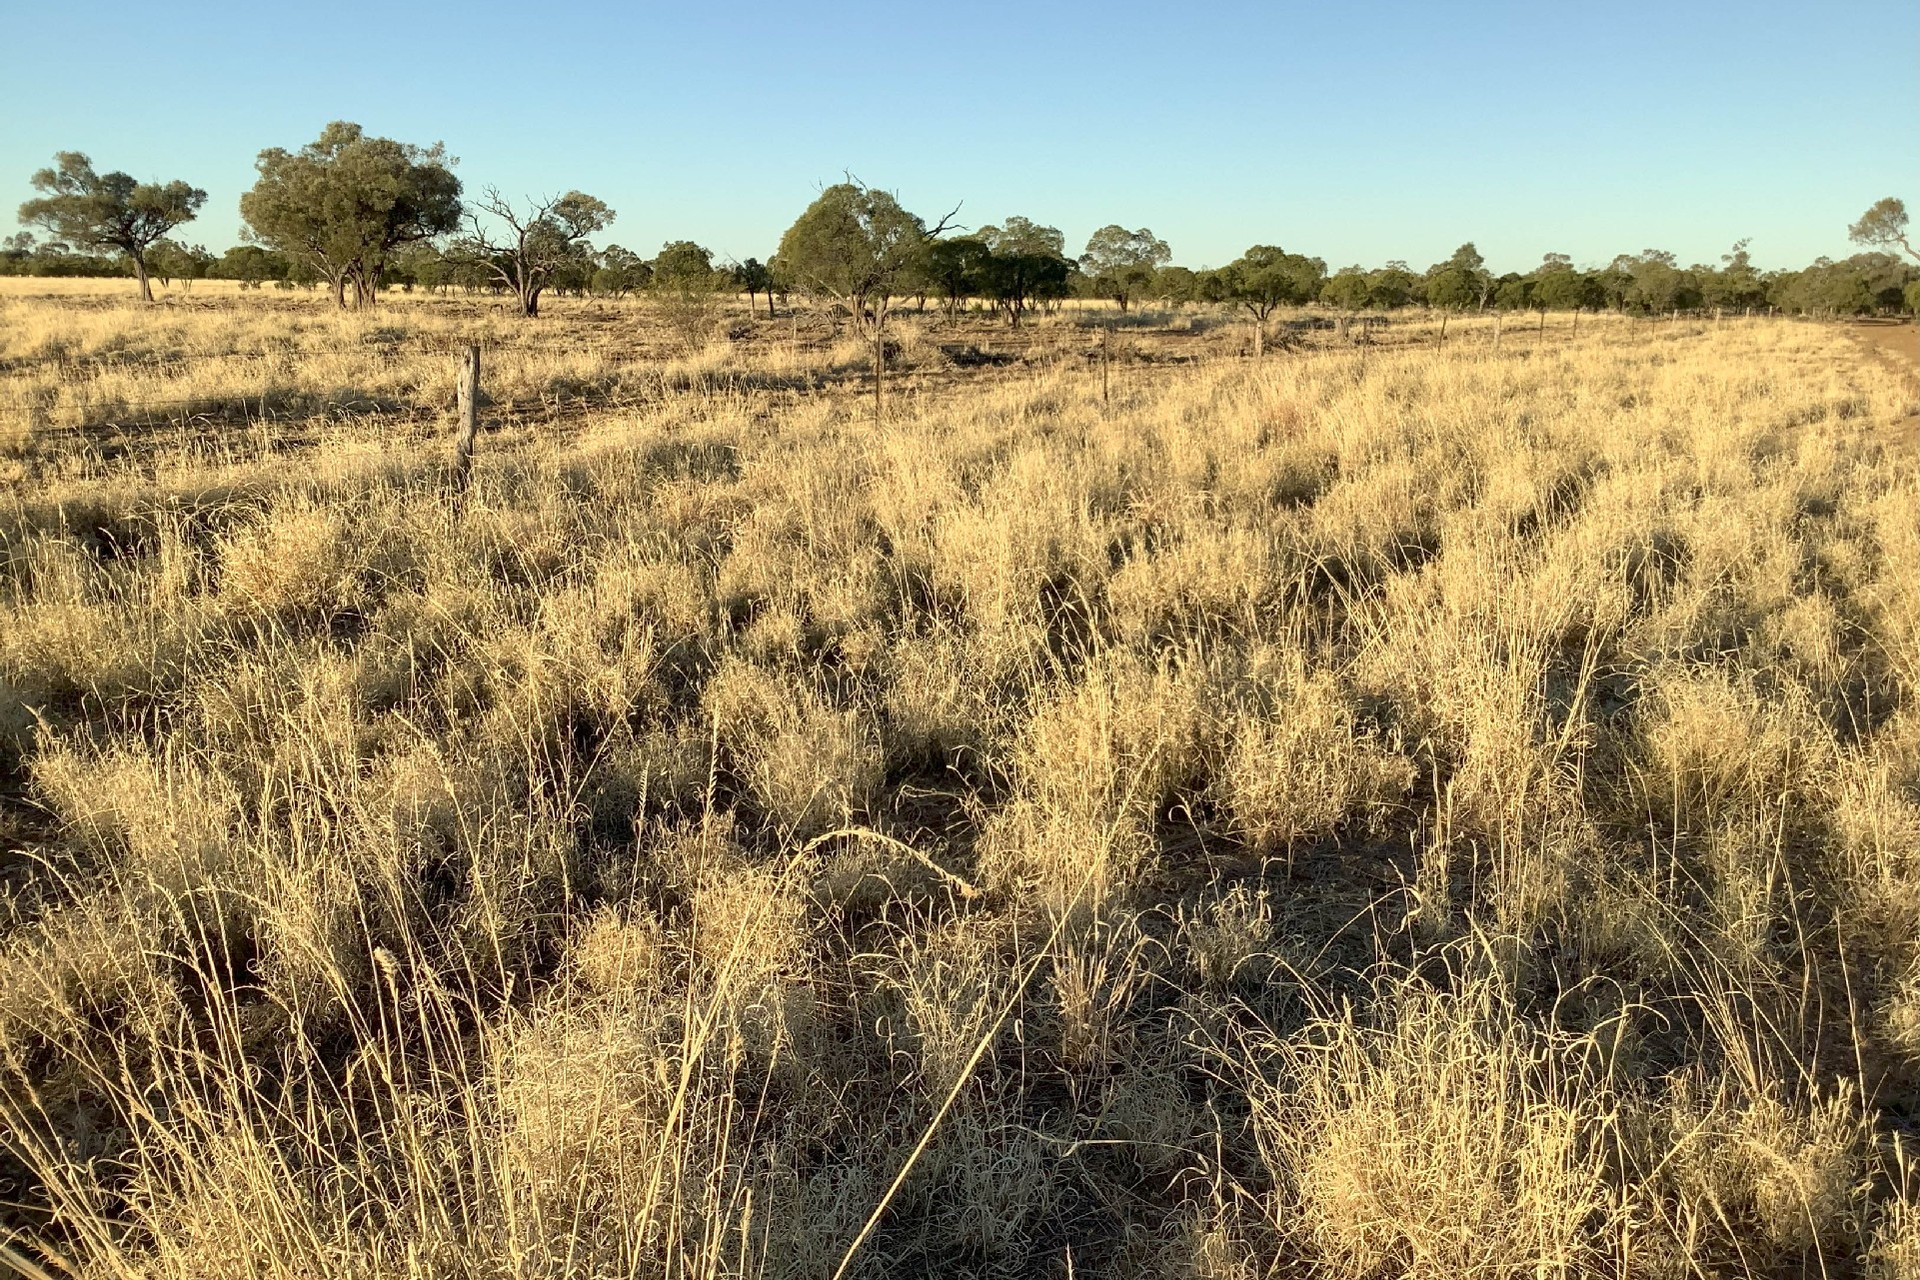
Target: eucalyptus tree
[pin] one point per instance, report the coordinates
(1884, 226)
(682, 264)
(855, 245)
(530, 245)
(1267, 277)
(1461, 281)
(1348, 289)
(1024, 263)
(621, 272)
(754, 278)
(1120, 263)
(953, 270)
(97, 211)
(344, 202)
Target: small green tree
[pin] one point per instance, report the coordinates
(1120, 263)
(1175, 284)
(953, 268)
(1024, 263)
(1267, 277)
(754, 277)
(170, 260)
(1735, 283)
(1393, 285)
(1348, 289)
(1461, 281)
(1557, 286)
(1513, 292)
(682, 264)
(621, 272)
(109, 211)
(250, 265)
(854, 245)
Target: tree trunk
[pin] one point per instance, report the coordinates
(140, 274)
(339, 283)
(770, 302)
(879, 367)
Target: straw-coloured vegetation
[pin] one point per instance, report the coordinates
(1443, 810)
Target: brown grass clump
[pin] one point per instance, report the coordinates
(1418, 810)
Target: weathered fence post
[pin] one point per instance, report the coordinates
(467, 401)
(1106, 364)
(1496, 331)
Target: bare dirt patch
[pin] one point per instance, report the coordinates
(1897, 344)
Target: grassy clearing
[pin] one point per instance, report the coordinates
(1437, 811)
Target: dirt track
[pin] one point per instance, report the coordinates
(1897, 343)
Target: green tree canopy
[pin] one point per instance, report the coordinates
(1266, 277)
(1120, 263)
(171, 260)
(1461, 281)
(1024, 263)
(1884, 226)
(109, 211)
(621, 271)
(952, 269)
(1393, 285)
(344, 202)
(755, 277)
(855, 246)
(1557, 286)
(1347, 289)
(1735, 283)
(682, 264)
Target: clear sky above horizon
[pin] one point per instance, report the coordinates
(1357, 133)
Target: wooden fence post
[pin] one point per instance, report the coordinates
(1496, 331)
(467, 400)
(1106, 365)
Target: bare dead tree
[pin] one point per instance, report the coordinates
(537, 242)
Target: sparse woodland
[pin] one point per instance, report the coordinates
(1378, 808)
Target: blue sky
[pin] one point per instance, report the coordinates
(1356, 132)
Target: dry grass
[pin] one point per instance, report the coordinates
(1419, 810)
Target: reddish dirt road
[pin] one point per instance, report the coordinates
(1897, 344)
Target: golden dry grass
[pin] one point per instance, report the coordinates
(1421, 810)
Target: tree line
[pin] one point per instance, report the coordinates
(359, 214)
